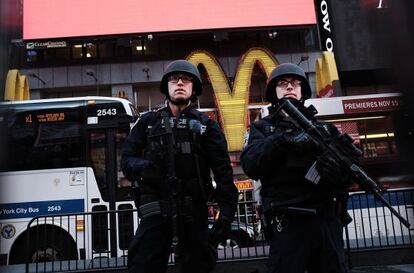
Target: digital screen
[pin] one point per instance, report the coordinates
(48, 117)
(46, 19)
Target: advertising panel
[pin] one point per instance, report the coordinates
(46, 19)
(363, 36)
(371, 105)
(326, 32)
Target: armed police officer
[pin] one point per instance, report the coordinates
(169, 154)
(304, 190)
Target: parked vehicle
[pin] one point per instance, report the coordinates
(242, 235)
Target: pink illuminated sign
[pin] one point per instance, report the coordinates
(45, 19)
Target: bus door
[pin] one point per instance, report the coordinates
(111, 232)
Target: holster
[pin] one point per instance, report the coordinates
(346, 218)
(342, 211)
(265, 222)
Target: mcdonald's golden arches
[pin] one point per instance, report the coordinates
(17, 86)
(326, 74)
(232, 104)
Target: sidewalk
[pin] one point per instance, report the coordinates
(403, 268)
(259, 267)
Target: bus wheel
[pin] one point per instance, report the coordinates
(47, 243)
(45, 255)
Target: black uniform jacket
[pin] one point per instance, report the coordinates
(281, 167)
(207, 142)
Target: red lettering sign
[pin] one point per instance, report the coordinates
(371, 105)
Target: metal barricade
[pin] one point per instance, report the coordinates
(76, 242)
(374, 226)
(100, 239)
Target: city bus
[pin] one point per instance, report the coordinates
(62, 156)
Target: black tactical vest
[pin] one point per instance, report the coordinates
(190, 165)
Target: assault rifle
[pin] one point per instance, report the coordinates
(178, 205)
(340, 148)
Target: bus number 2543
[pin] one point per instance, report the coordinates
(54, 208)
(106, 112)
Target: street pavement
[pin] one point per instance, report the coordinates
(403, 268)
(226, 268)
(261, 268)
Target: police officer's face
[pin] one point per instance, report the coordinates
(180, 87)
(289, 87)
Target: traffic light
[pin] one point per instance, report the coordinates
(17, 86)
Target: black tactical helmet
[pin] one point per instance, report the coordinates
(283, 70)
(185, 67)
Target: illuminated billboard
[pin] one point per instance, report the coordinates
(46, 19)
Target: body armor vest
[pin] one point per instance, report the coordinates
(190, 164)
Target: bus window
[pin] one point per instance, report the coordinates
(20, 141)
(45, 146)
(123, 185)
(97, 150)
(98, 154)
(99, 229)
(125, 226)
(59, 145)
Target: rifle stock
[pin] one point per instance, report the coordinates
(337, 151)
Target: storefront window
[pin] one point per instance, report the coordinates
(377, 137)
(138, 47)
(62, 54)
(77, 51)
(106, 49)
(123, 47)
(373, 135)
(91, 50)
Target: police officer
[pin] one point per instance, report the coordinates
(303, 216)
(199, 146)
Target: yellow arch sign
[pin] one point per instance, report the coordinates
(17, 86)
(232, 104)
(326, 74)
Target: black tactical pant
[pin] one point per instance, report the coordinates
(312, 243)
(150, 249)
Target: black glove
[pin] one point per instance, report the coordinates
(290, 136)
(220, 231)
(331, 171)
(300, 141)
